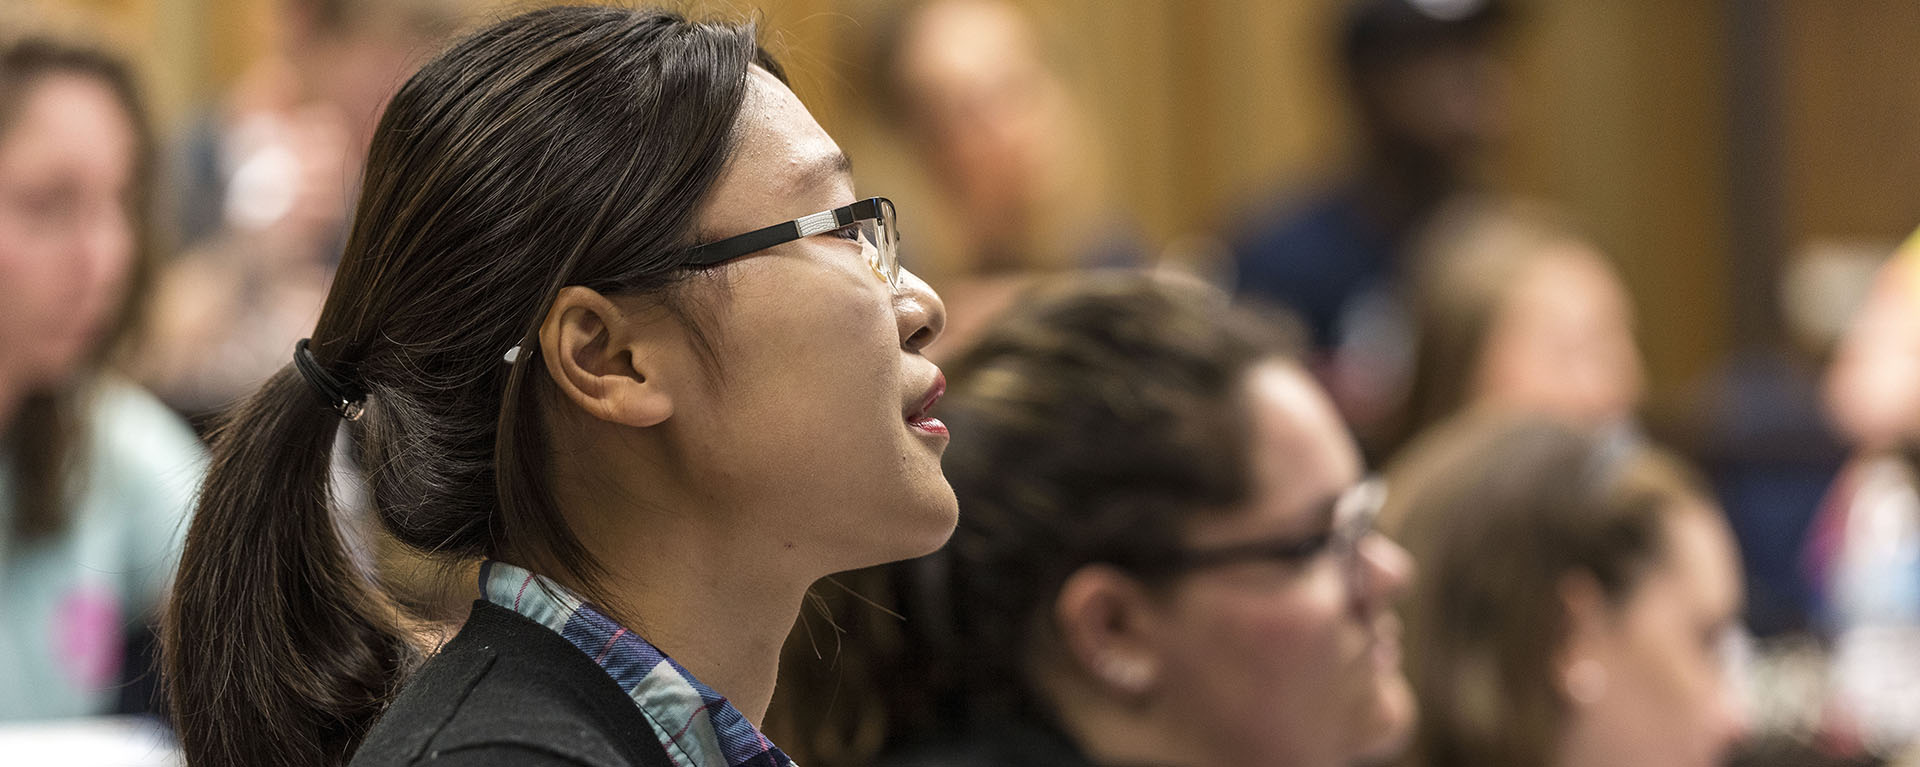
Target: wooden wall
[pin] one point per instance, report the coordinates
(1851, 76)
(1622, 113)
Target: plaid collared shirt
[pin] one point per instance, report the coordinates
(697, 726)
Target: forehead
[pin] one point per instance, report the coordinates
(1701, 558)
(784, 165)
(71, 107)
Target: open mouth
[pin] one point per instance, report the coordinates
(1386, 645)
(922, 417)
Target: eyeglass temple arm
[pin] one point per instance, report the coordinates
(782, 233)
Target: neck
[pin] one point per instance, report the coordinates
(1117, 732)
(1400, 191)
(701, 594)
(731, 641)
(1581, 747)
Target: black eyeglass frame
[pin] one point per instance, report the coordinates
(878, 209)
(1353, 514)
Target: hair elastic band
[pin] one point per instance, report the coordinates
(346, 399)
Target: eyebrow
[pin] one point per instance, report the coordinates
(824, 169)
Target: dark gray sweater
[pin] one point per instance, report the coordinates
(509, 691)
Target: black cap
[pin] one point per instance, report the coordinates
(1381, 31)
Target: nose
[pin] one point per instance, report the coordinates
(921, 314)
(1731, 720)
(1385, 571)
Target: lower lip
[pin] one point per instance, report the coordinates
(1386, 655)
(929, 425)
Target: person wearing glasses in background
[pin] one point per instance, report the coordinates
(612, 320)
(1164, 557)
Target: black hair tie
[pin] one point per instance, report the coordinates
(346, 399)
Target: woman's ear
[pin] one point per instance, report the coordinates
(1581, 664)
(1110, 628)
(612, 364)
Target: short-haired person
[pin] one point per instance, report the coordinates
(96, 476)
(612, 317)
(1164, 557)
(1428, 81)
(1574, 597)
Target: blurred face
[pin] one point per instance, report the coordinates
(1873, 387)
(1290, 664)
(815, 424)
(1448, 103)
(1665, 699)
(1561, 343)
(984, 103)
(66, 227)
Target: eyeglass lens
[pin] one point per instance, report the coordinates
(1353, 520)
(883, 235)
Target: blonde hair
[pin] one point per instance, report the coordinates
(1496, 512)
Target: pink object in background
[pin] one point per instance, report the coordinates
(91, 634)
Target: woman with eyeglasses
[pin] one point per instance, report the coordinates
(1164, 558)
(612, 320)
(1576, 600)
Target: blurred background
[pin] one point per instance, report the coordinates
(1745, 167)
(1710, 147)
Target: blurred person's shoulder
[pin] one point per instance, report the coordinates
(1305, 231)
(139, 445)
(143, 469)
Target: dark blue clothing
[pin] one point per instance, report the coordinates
(1315, 259)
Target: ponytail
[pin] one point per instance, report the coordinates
(278, 650)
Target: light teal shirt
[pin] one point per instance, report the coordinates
(68, 600)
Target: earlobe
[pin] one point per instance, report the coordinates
(589, 347)
(1582, 676)
(1107, 627)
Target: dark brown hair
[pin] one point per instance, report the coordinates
(1496, 512)
(46, 438)
(1090, 424)
(566, 146)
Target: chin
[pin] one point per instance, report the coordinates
(59, 366)
(1393, 718)
(913, 527)
(934, 518)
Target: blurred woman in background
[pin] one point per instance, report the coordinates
(96, 477)
(975, 92)
(1517, 312)
(1574, 597)
(1165, 558)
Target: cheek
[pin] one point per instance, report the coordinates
(809, 411)
(1674, 688)
(37, 293)
(113, 260)
(1275, 667)
(28, 272)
